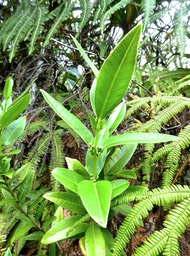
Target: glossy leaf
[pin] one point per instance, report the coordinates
(122, 208)
(13, 131)
(85, 57)
(67, 200)
(95, 169)
(138, 137)
(118, 187)
(129, 174)
(34, 236)
(69, 118)
(25, 186)
(75, 165)
(115, 74)
(8, 88)
(120, 158)
(94, 241)
(67, 178)
(134, 189)
(116, 117)
(96, 198)
(14, 111)
(8, 252)
(60, 230)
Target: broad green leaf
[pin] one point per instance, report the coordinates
(120, 158)
(69, 118)
(135, 189)
(85, 57)
(15, 109)
(21, 230)
(25, 186)
(67, 200)
(13, 131)
(108, 240)
(124, 174)
(115, 74)
(34, 236)
(60, 230)
(8, 88)
(138, 137)
(118, 187)
(122, 208)
(14, 152)
(95, 164)
(92, 122)
(94, 241)
(69, 179)
(116, 117)
(96, 198)
(75, 165)
(53, 249)
(8, 252)
(92, 95)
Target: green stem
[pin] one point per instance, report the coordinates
(98, 127)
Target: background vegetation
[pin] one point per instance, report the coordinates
(36, 48)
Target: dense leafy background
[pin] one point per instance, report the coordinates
(41, 51)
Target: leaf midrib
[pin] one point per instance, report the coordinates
(113, 81)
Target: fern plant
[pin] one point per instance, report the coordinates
(164, 241)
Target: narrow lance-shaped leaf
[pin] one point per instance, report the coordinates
(137, 137)
(115, 74)
(85, 57)
(116, 117)
(67, 200)
(15, 109)
(60, 18)
(13, 131)
(120, 158)
(8, 88)
(60, 230)
(25, 186)
(69, 118)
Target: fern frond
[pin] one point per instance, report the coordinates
(11, 22)
(175, 224)
(34, 155)
(148, 8)
(57, 150)
(23, 18)
(180, 85)
(108, 13)
(25, 23)
(146, 166)
(86, 7)
(56, 12)
(38, 25)
(181, 27)
(133, 219)
(36, 126)
(140, 210)
(103, 4)
(174, 155)
(60, 18)
(161, 152)
(171, 166)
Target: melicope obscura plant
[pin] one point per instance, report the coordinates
(90, 189)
